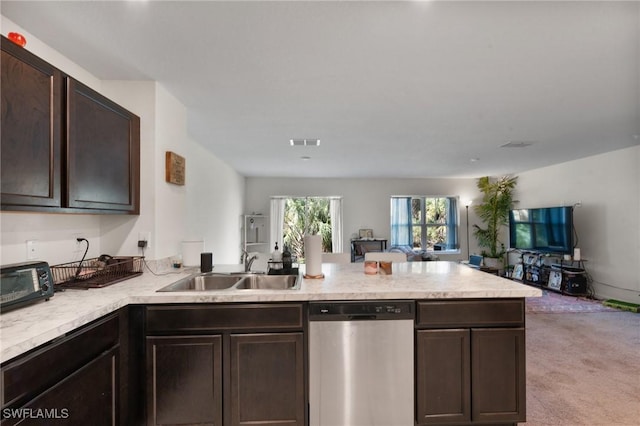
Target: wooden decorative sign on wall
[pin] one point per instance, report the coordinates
(175, 168)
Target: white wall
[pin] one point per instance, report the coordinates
(170, 204)
(607, 223)
(215, 201)
(209, 205)
(54, 236)
(366, 202)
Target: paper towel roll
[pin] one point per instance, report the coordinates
(313, 255)
(191, 252)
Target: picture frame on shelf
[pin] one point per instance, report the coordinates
(518, 272)
(555, 280)
(365, 233)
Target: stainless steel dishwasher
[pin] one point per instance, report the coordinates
(361, 363)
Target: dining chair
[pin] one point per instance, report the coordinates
(385, 256)
(336, 258)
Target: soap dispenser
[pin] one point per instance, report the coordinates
(286, 258)
(276, 258)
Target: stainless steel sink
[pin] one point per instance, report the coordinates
(204, 282)
(240, 281)
(269, 282)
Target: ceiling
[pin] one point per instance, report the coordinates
(392, 89)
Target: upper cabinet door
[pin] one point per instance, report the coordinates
(103, 152)
(31, 129)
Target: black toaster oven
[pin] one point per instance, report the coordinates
(24, 283)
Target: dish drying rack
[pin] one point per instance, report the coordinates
(278, 268)
(96, 272)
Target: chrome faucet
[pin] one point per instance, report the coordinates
(248, 261)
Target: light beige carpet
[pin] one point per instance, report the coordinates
(559, 303)
(583, 368)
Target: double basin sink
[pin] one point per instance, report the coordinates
(235, 281)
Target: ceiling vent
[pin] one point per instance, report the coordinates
(517, 144)
(304, 142)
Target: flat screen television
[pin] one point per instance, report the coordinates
(547, 230)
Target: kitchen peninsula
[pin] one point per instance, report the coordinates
(453, 304)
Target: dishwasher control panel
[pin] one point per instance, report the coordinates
(357, 310)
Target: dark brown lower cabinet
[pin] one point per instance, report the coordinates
(467, 374)
(267, 379)
(226, 364)
(75, 380)
(184, 380)
(498, 375)
(443, 374)
(87, 397)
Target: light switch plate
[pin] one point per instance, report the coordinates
(31, 250)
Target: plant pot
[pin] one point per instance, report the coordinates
(493, 262)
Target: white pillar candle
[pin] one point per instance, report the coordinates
(576, 254)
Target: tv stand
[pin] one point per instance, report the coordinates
(553, 272)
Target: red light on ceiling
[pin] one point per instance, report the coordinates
(18, 39)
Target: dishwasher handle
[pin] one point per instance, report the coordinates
(362, 317)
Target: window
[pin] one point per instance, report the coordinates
(296, 217)
(425, 223)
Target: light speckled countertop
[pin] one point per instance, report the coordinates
(28, 327)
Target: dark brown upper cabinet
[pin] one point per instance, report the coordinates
(65, 147)
(32, 105)
(103, 152)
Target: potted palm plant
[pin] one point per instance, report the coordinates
(493, 211)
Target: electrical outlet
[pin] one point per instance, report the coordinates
(144, 236)
(32, 253)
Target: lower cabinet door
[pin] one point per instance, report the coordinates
(498, 375)
(267, 379)
(443, 376)
(184, 380)
(88, 396)
(469, 376)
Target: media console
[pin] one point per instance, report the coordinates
(552, 272)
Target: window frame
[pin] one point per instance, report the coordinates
(451, 222)
(334, 212)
